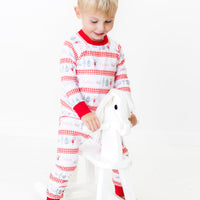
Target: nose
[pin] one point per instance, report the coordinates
(101, 28)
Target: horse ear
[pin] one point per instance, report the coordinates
(130, 102)
(101, 108)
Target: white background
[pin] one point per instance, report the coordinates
(161, 42)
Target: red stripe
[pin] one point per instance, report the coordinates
(116, 183)
(119, 47)
(95, 72)
(127, 89)
(99, 54)
(93, 108)
(65, 104)
(59, 187)
(68, 78)
(125, 150)
(88, 90)
(121, 63)
(73, 133)
(67, 151)
(66, 168)
(57, 179)
(68, 44)
(68, 117)
(67, 60)
(93, 90)
(115, 171)
(122, 76)
(72, 92)
(57, 197)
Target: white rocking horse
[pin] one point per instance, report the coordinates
(104, 150)
(113, 113)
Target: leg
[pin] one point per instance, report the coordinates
(66, 163)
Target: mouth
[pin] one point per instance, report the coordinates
(99, 34)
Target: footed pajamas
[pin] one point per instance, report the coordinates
(88, 69)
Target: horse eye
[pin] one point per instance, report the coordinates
(116, 107)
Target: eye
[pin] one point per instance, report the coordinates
(108, 21)
(94, 22)
(116, 107)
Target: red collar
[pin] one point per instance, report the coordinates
(90, 41)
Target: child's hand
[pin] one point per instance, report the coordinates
(133, 119)
(91, 121)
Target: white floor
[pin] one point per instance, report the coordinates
(159, 172)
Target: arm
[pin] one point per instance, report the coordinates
(69, 84)
(70, 88)
(121, 78)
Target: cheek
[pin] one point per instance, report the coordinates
(91, 27)
(110, 26)
(88, 25)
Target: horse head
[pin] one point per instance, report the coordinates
(115, 109)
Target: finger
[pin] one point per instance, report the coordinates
(88, 125)
(94, 126)
(134, 121)
(98, 123)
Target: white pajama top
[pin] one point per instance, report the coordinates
(88, 70)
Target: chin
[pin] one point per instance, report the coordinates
(98, 38)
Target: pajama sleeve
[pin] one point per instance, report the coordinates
(70, 91)
(121, 80)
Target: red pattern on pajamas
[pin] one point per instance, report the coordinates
(88, 69)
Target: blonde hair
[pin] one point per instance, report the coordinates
(108, 7)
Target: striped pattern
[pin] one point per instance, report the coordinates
(67, 60)
(57, 179)
(122, 76)
(116, 183)
(68, 117)
(73, 133)
(95, 72)
(65, 104)
(125, 89)
(68, 44)
(67, 151)
(121, 63)
(53, 196)
(99, 54)
(88, 72)
(66, 168)
(68, 78)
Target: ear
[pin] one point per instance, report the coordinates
(130, 102)
(77, 11)
(100, 114)
(101, 108)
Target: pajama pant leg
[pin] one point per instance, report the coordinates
(67, 157)
(66, 163)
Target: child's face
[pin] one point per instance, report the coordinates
(95, 24)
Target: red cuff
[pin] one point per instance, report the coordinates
(51, 199)
(81, 109)
(119, 191)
